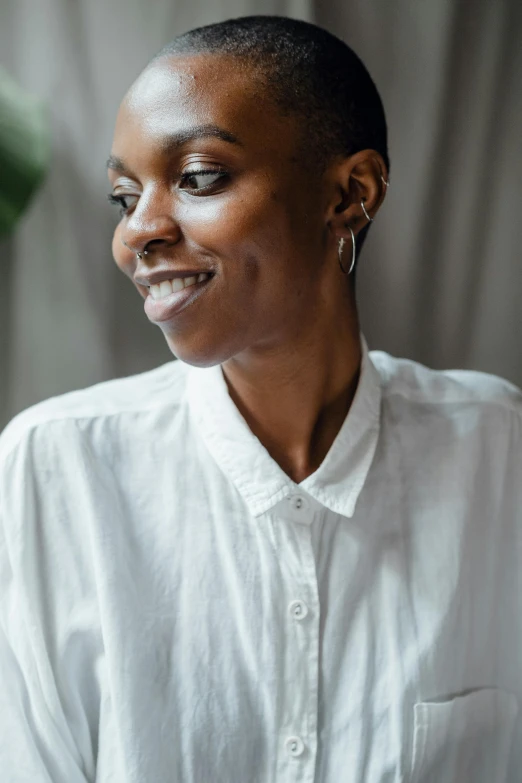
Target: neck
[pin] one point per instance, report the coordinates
(295, 396)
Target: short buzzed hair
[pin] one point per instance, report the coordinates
(309, 73)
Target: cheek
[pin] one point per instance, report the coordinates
(219, 222)
(249, 232)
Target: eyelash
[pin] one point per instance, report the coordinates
(120, 200)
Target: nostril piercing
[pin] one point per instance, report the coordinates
(138, 255)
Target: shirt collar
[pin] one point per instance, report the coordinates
(336, 484)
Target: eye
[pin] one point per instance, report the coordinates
(201, 180)
(124, 202)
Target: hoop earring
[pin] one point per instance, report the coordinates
(368, 218)
(386, 183)
(340, 254)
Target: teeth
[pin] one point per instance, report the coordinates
(167, 287)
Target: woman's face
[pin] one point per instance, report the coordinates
(209, 177)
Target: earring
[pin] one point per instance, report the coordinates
(368, 218)
(386, 183)
(340, 253)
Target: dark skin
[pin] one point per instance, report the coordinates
(278, 315)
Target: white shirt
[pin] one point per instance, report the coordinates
(175, 609)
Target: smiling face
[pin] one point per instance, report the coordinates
(209, 177)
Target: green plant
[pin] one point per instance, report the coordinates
(24, 150)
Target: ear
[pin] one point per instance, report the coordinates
(359, 178)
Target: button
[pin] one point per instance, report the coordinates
(294, 746)
(298, 610)
(299, 502)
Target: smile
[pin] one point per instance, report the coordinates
(170, 297)
(167, 287)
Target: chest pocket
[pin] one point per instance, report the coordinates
(467, 738)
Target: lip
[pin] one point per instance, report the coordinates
(164, 309)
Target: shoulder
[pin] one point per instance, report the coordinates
(63, 415)
(456, 434)
(457, 409)
(417, 383)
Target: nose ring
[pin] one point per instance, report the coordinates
(138, 255)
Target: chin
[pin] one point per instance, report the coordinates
(198, 354)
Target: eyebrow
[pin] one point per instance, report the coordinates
(176, 140)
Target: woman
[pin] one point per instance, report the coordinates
(281, 557)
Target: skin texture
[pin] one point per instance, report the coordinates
(278, 315)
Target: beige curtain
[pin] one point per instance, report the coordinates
(441, 278)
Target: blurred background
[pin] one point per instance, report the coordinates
(440, 279)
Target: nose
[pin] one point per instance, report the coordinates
(151, 224)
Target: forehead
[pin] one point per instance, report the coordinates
(179, 91)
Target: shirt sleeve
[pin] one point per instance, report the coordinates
(37, 742)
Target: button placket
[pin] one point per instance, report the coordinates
(298, 739)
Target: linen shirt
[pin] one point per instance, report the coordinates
(175, 609)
